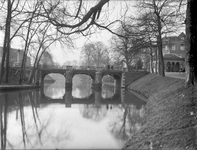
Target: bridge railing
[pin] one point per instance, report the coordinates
(116, 68)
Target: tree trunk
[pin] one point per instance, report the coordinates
(3, 57)
(151, 62)
(160, 53)
(8, 40)
(27, 42)
(191, 44)
(33, 70)
(8, 61)
(156, 65)
(6, 45)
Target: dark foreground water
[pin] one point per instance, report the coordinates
(79, 119)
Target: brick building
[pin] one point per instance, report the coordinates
(16, 56)
(174, 53)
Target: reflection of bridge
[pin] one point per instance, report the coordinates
(122, 78)
(37, 98)
(122, 97)
(94, 98)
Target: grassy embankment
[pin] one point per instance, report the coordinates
(170, 121)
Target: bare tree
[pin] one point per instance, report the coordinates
(191, 45)
(12, 26)
(95, 54)
(129, 44)
(45, 37)
(57, 13)
(165, 18)
(6, 45)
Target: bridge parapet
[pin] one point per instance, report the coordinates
(99, 68)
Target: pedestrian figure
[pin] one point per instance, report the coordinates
(108, 67)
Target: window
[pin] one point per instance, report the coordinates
(182, 47)
(173, 47)
(166, 48)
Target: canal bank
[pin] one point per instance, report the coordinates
(17, 87)
(170, 121)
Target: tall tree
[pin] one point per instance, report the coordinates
(95, 54)
(14, 22)
(191, 44)
(165, 16)
(6, 45)
(129, 44)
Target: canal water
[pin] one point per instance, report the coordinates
(81, 118)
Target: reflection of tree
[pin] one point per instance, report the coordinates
(32, 97)
(94, 112)
(3, 109)
(22, 118)
(127, 122)
(34, 131)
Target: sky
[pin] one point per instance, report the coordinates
(115, 8)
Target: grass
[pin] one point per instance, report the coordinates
(170, 114)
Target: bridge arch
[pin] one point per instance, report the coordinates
(96, 75)
(108, 78)
(44, 74)
(91, 75)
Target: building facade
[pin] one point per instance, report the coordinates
(16, 56)
(174, 52)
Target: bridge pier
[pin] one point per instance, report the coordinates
(97, 97)
(122, 95)
(118, 85)
(123, 80)
(98, 80)
(68, 98)
(69, 77)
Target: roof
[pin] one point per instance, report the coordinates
(170, 39)
(172, 57)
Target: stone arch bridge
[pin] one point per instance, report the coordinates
(122, 78)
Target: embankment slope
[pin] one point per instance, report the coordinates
(170, 121)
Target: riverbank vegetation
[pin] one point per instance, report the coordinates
(170, 114)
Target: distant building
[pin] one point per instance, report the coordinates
(174, 52)
(16, 57)
(46, 60)
(174, 45)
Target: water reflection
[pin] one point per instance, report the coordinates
(128, 121)
(29, 120)
(55, 90)
(108, 91)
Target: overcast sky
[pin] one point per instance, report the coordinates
(115, 8)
